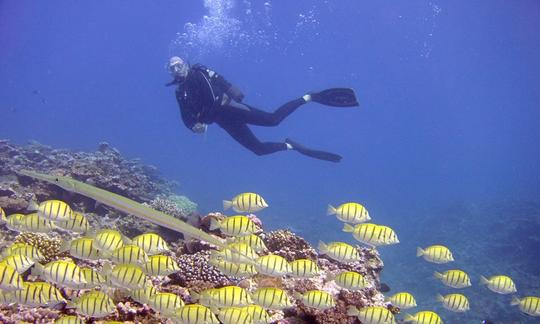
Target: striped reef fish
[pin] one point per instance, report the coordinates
(254, 241)
(129, 254)
(195, 314)
(454, 278)
(93, 279)
(234, 315)
(424, 317)
(272, 265)
(36, 224)
(317, 299)
(18, 262)
(435, 254)
(340, 251)
(151, 243)
(228, 296)
(454, 302)
(76, 224)
(351, 212)
(528, 305)
(14, 222)
(499, 284)
(54, 210)
(247, 202)
(350, 280)
(51, 293)
(27, 250)
(403, 300)
(31, 295)
(258, 314)
(304, 268)
(236, 252)
(93, 304)
(165, 303)
(239, 270)
(82, 248)
(63, 273)
(69, 319)
(372, 234)
(142, 296)
(160, 265)
(10, 280)
(108, 240)
(372, 315)
(234, 225)
(271, 298)
(127, 276)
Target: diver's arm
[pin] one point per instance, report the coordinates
(188, 117)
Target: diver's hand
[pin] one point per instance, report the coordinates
(199, 128)
(235, 93)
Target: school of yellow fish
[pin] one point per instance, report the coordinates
(132, 261)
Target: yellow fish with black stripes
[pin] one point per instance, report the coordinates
(454, 302)
(54, 210)
(247, 202)
(51, 293)
(195, 314)
(424, 317)
(108, 240)
(130, 254)
(69, 319)
(10, 280)
(82, 248)
(234, 225)
(272, 265)
(76, 224)
(436, 254)
(403, 300)
(372, 315)
(63, 273)
(318, 299)
(499, 284)
(160, 265)
(93, 304)
(127, 276)
(271, 298)
(234, 315)
(372, 234)
(528, 305)
(25, 249)
(239, 270)
(304, 268)
(340, 251)
(454, 278)
(143, 295)
(254, 241)
(258, 314)
(165, 303)
(31, 295)
(228, 296)
(350, 212)
(350, 280)
(93, 279)
(18, 262)
(36, 224)
(151, 243)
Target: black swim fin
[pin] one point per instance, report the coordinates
(321, 155)
(336, 97)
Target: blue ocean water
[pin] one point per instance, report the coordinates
(444, 147)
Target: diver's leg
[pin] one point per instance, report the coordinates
(317, 154)
(253, 116)
(243, 135)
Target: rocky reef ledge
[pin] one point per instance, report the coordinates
(107, 169)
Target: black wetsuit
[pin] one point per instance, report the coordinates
(206, 97)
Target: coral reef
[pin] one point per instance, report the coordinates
(106, 168)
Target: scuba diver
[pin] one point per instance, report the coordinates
(205, 97)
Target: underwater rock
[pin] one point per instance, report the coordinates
(288, 245)
(194, 268)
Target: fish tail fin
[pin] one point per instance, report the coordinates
(32, 206)
(331, 210)
(195, 295)
(348, 228)
(352, 311)
(37, 270)
(126, 239)
(227, 204)
(440, 297)
(483, 280)
(515, 301)
(438, 275)
(66, 246)
(323, 248)
(419, 252)
(106, 269)
(214, 224)
(408, 318)
(330, 276)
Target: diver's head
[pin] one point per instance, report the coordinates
(178, 68)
